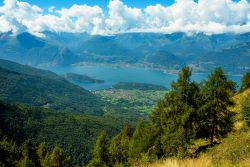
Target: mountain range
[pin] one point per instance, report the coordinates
(169, 51)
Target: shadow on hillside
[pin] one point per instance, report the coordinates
(202, 149)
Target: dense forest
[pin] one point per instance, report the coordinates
(189, 112)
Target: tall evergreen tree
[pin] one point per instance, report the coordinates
(142, 142)
(100, 152)
(30, 157)
(216, 119)
(245, 81)
(185, 88)
(136, 145)
(174, 116)
(9, 152)
(58, 158)
(42, 150)
(119, 146)
(43, 154)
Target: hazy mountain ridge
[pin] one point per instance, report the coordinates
(170, 51)
(28, 49)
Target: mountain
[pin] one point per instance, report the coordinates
(27, 85)
(28, 49)
(235, 58)
(170, 51)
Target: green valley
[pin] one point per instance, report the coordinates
(133, 96)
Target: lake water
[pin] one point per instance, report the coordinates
(112, 75)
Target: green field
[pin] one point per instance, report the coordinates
(132, 99)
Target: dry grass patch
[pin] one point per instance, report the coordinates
(199, 162)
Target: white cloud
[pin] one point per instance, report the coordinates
(83, 18)
(123, 18)
(207, 16)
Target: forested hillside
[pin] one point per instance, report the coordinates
(75, 133)
(27, 85)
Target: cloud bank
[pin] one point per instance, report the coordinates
(204, 16)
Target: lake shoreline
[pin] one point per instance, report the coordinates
(146, 66)
(133, 73)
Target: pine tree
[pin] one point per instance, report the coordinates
(216, 119)
(141, 142)
(9, 152)
(43, 154)
(174, 116)
(245, 81)
(30, 157)
(119, 146)
(58, 158)
(100, 152)
(136, 144)
(176, 135)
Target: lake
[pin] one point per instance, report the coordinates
(112, 75)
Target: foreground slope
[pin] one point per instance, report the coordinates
(27, 85)
(234, 150)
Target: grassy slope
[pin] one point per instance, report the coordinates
(233, 150)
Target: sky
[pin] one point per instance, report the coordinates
(107, 17)
(102, 3)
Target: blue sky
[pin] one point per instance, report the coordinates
(101, 3)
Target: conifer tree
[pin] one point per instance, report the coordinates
(30, 157)
(176, 136)
(136, 143)
(9, 152)
(245, 81)
(43, 154)
(119, 146)
(42, 150)
(216, 119)
(58, 158)
(141, 142)
(100, 152)
(174, 116)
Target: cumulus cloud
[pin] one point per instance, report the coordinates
(207, 16)
(122, 18)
